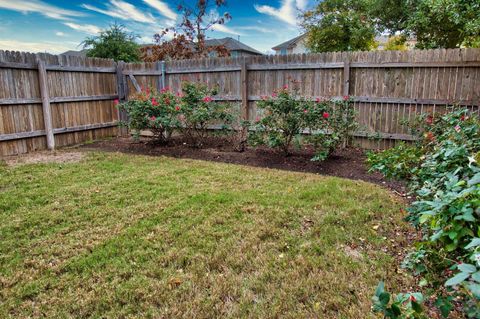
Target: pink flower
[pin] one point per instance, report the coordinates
(207, 99)
(165, 89)
(167, 101)
(458, 128)
(148, 91)
(116, 101)
(177, 108)
(179, 94)
(274, 94)
(257, 119)
(285, 87)
(305, 111)
(346, 98)
(153, 118)
(154, 102)
(264, 97)
(317, 100)
(326, 115)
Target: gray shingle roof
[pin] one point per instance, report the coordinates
(231, 44)
(288, 44)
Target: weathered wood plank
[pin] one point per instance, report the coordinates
(47, 111)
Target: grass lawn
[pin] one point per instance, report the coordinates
(134, 236)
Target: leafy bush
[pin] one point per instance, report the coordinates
(444, 174)
(158, 112)
(189, 112)
(401, 307)
(287, 115)
(198, 111)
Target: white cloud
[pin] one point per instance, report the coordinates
(224, 29)
(163, 8)
(87, 28)
(287, 12)
(37, 6)
(302, 4)
(258, 29)
(60, 34)
(122, 10)
(51, 47)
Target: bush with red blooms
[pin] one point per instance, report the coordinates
(155, 111)
(290, 118)
(189, 112)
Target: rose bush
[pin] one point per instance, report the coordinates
(189, 112)
(287, 116)
(443, 172)
(154, 111)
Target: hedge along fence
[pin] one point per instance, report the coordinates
(387, 87)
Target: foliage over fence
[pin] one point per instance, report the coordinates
(443, 170)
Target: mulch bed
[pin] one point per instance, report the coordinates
(347, 163)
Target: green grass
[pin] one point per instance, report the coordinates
(134, 236)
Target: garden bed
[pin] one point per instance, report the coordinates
(347, 163)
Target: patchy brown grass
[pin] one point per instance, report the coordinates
(134, 236)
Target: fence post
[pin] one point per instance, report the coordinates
(47, 111)
(346, 77)
(244, 89)
(122, 95)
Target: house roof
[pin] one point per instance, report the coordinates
(82, 53)
(289, 44)
(232, 45)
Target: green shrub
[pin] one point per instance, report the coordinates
(287, 115)
(444, 174)
(198, 111)
(155, 111)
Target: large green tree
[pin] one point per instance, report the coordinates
(114, 43)
(350, 25)
(339, 25)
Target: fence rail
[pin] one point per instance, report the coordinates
(76, 95)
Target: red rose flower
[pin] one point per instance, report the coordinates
(305, 111)
(274, 94)
(167, 101)
(177, 108)
(285, 87)
(346, 98)
(154, 102)
(207, 99)
(153, 118)
(116, 101)
(326, 115)
(412, 298)
(429, 120)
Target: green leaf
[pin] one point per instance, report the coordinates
(474, 180)
(474, 243)
(476, 276)
(417, 307)
(380, 288)
(475, 289)
(468, 268)
(384, 298)
(458, 278)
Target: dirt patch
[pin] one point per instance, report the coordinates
(45, 157)
(348, 163)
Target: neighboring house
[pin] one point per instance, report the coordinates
(235, 47)
(82, 53)
(292, 46)
(298, 45)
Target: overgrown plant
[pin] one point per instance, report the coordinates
(403, 306)
(444, 174)
(158, 112)
(287, 116)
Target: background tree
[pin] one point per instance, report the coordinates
(396, 43)
(114, 43)
(444, 23)
(339, 25)
(188, 37)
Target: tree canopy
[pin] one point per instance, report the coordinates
(114, 43)
(188, 37)
(339, 25)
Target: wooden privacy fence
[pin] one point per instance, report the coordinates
(48, 101)
(387, 87)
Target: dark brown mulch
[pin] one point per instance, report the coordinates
(347, 163)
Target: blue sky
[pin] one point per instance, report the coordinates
(56, 26)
